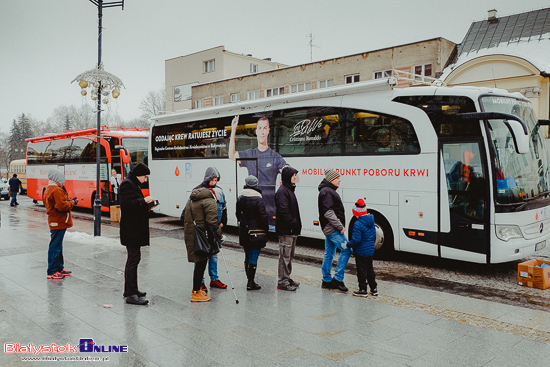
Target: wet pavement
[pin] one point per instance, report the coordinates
(437, 324)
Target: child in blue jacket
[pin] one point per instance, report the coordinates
(363, 236)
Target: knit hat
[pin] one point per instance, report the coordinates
(331, 175)
(360, 208)
(57, 176)
(141, 170)
(251, 181)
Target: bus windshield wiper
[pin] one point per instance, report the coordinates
(529, 200)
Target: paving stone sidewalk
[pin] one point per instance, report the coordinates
(404, 326)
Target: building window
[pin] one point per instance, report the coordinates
(274, 91)
(209, 66)
(253, 68)
(300, 87)
(352, 79)
(422, 70)
(218, 101)
(326, 83)
(382, 74)
(236, 97)
(199, 103)
(255, 94)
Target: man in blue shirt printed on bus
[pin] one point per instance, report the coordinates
(270, 163)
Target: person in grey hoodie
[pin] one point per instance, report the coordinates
(210, 181)
(332, 218)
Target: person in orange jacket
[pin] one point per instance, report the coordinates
(58, 207)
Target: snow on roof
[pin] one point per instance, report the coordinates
(536, 52)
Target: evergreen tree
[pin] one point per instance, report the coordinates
(67, 123)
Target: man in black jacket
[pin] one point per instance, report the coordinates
(332, 218)
(134, 229)
(288, 226)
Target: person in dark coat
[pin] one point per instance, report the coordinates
(134, 229)
(15, 186)
(332, 218)
(363, 237)
(252, 215)
(211, 178)
(204, 208)
(288, 227)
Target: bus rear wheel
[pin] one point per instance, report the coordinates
(383, 247)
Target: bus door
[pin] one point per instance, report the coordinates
(465, 169)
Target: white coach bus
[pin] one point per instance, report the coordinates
(458, 173)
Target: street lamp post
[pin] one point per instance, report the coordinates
(104, 84)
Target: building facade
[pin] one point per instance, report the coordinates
(184, 72)
(420, 60)
(511, 53)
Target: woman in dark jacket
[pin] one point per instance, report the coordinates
(252, 216)
(204, 208)
(134, 229)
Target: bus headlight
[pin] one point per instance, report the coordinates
(508, 232)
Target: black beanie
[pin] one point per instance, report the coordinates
(141, 170)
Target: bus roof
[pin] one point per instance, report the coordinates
(371, 86)
(115, 131)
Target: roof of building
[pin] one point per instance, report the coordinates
(525, 35)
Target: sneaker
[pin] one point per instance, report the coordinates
(199, 296)
(66, 272)
(361, 293)
(327, 285)
(339, 285)
(203, 288)
(374, 292)
(294, 283)
(217, 284)
(288, 287)
(57, 275)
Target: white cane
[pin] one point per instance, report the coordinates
(230, 281)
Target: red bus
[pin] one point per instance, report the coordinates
(74, 152)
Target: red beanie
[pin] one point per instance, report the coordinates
(360, 208)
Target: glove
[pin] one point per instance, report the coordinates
(75, 199)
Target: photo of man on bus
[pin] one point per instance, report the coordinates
(269, 163)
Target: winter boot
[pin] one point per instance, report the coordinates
(251, 285)
(199, 296)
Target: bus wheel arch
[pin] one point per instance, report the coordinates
(384, 245)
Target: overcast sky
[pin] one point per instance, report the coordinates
(44, 44)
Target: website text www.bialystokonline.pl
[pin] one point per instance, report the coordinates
(64, 359)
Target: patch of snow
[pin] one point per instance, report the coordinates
(88, 239)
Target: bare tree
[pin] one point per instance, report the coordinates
(4, 153)
(153, 104)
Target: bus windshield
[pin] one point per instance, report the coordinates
(519, 177)
(137, 148)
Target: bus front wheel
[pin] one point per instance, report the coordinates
(384, 238)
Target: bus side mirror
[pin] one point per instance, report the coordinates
(515, 125)
(123, 153)
(521, 140)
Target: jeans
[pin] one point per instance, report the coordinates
(55, 251)
(14, 199)
(251, 256)
(332, 241)
(212, 268)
